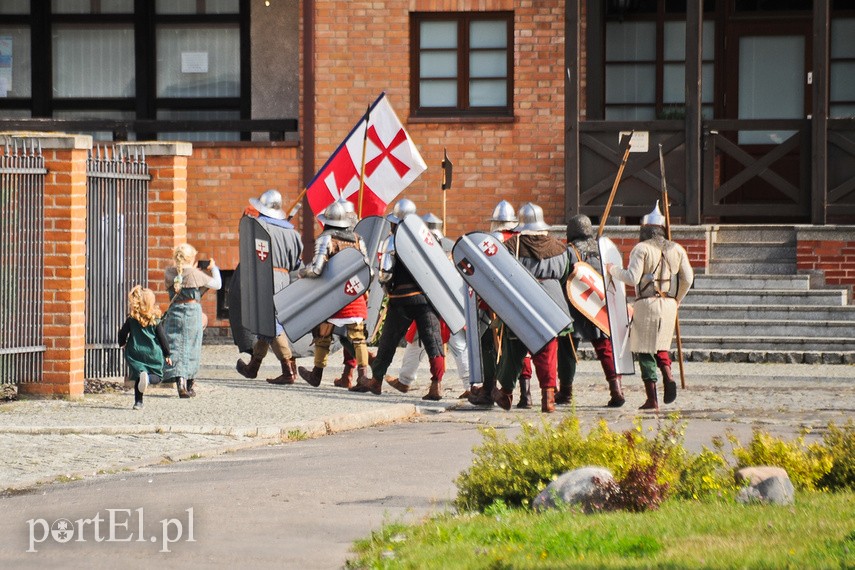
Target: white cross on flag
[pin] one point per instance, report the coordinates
(392, 162)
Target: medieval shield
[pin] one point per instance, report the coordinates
(510, 290)
(473, 338)
(587, 293)
(372, 230)
(617, 310)
(308, 302)
(256, 278)
(422, 255)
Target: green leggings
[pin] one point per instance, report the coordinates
(647, 363)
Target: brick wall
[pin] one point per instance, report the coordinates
(519, 161)
(220, 181)
(827, 252)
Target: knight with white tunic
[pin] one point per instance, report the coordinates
(660, 271)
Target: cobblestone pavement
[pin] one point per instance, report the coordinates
(45, 440)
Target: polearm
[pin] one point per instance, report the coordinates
(293, 208)
(667, 207)
(362, 169)
(446, 180)
(625, 140)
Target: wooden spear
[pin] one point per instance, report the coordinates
(667, 207)
(362, 169)
(625, 140)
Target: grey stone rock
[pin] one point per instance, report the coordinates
(738, 356)
(773, 491)
(718, 356)
(849, 358)
(776, 357)
(574, 487)
(795, 357)
(756, 357)
(758, 473)
(700, 356)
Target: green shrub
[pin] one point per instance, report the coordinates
(706, 475)
(806, 464)
(514, 472)
(840, 443)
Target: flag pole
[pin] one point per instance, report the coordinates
(667, 207)
(362, 169)
(297, 201)
(617, 181)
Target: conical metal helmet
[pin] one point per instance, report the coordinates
(654, 218)
(432, 221)
(403, 208)
(335, 215)
(269, 204)
(504, 212)
(531, 219)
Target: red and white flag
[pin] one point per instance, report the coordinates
(392, 162)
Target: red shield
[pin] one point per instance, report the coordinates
(262, 249)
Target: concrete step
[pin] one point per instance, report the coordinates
(758, 356)
(765, 343)
(754, 233)
(761, 282)
(827, 297)
(755, 251)
(727, 266)
(816, 313)
(749, 330)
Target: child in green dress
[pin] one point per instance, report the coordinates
(144, 340)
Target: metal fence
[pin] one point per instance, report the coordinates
(22, 184)
(116, 252)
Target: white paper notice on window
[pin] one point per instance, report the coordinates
(194, 62)
(640, 141)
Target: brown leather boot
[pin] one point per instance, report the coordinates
(669, 385)
(287, 376)
(346, 379)
(502, 398)
(397, 384)
(547, 400)
(483, 395)
(362, 374)
(190, 390)
(616, 392)
(313, 376)
(651, 403)
(525, 394)
(565, 393)
(374, 385)
(434, 392)
(248, 370)
(293, 363)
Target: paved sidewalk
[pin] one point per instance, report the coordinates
(48, 440)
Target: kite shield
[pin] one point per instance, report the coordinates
(372, 230)
(587, 294)
(510, 290)
(429, 265)
(308, 302)
(617, 309)
(256, 278)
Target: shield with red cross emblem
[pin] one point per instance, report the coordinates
(586, 292)
(256, 278)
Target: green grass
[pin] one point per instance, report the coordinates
(817, 532)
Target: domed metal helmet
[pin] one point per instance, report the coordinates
(269, 204)
(504, 212)
(403, 208)
(531, 219)
(654, 218)
(335, 215)
(432, 221)
(579, 227)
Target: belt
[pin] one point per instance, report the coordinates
(404, 295)
(280, 269)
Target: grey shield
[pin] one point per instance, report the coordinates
(473, 339)
(616, 307)
(510, 290)
(422, 255)
(308, 302)
(256, 278)
(372, 230)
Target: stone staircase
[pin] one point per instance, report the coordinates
(753, 307)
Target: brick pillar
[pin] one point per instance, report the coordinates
(65, 266)
(167, 206)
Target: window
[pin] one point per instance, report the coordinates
(646, 62)
(126, 60)
(841, 87)
(462, 64)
